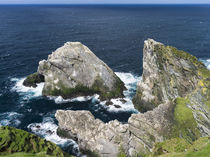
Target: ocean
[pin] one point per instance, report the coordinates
(115, 33)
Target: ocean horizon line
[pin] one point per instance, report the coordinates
(114, 4)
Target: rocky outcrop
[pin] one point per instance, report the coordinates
(168, 73)
(73, 70)
(92, 134)
(114, 138)
(173, 95)
(174, 76)
(33, 79)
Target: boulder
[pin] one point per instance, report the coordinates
(74, 70)
(33, 79)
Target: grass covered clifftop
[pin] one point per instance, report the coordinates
(178, 147)
(19, 143)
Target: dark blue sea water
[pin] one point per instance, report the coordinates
(115, 33)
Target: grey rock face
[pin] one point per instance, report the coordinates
(109, 139)
(93, 134)
(74, 70)
(168, 73)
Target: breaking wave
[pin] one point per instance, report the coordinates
(207, 63)
(126, 103)
(129, 79)
(10, 118)
(47, 129)
(27, 92)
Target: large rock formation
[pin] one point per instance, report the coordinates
(168, 73)
(73, 70)
(113, 138)
(175, 90)
(92, 134)
(174, 76)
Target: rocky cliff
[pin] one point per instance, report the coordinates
(176, 77)
(74, 70)
(173, 97)
(168, 73)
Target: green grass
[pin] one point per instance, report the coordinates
(204, 152)
(180, 148)
(170, 146)
(121, 154)
(14, 140)
(167, 51)
(26, 155)
(185, 125)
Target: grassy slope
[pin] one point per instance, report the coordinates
(16, 142)
(178, 147)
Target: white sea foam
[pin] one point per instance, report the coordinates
(206, 62)
(129, 79)
(125, 104)
(60, 99)
(10, 118)
(47, 129)
(28, 92)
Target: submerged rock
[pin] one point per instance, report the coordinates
(74, 70)
(175, 96)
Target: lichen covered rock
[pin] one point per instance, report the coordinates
(33, 79)
(168, 73)
(174, 77)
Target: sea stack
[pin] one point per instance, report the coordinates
(168, 73)
(74, 70)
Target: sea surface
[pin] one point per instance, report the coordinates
(115, 33)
